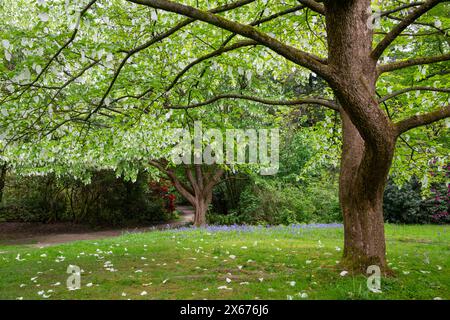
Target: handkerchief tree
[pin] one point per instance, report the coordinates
(385, 64)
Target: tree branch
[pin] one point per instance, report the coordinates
(295, 55)
(61, 49)
(218, 52)
(223, 48)
(180, 186)
(422, 119)
(156, 39)
(402, 91)
(403, 7)
(412, 62)
(215, 179)
(405, 23)
(313, 5)
(319, 101)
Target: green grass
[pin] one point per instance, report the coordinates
(194, 264)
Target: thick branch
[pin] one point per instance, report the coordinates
(405, 23)
(180, 186)
(422, 119)
(412, 62)
(215, 179)
(299, 57)
(313, 5)
(402, 91)
(319, 101)
(223, 48)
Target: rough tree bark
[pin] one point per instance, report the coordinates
(368, 134)
(361, 198)
(199, 189)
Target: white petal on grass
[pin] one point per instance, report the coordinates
(292, 283)
(303, 295)
(228, 280)
(344, 273)
(232, 256)
(224, 288)
(143, 293)
(18, 258)
(375, 290)
(89, 284)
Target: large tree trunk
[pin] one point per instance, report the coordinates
(362, 182)
(200, 188)
(201, 205)
(368, 134)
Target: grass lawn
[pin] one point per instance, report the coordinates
(227, 263)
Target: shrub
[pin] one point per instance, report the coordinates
(403, 204)
(107, 200)
(407, 205)
(270, 201)
(33, 199)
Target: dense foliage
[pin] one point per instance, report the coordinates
(107, 200)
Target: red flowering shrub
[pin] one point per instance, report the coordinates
(162, 189)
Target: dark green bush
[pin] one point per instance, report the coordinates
(270, 201)
(403, 204)
(33, 199)
(107, 200)
(407, 205)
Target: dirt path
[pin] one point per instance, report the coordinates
(47, 235)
